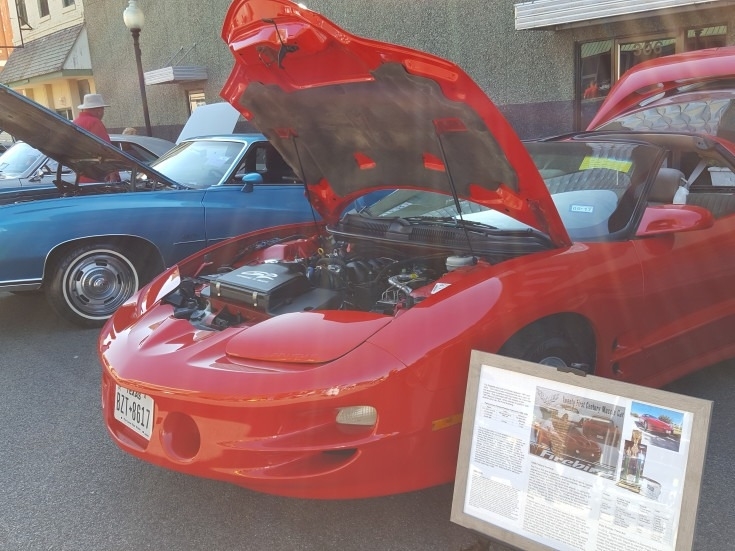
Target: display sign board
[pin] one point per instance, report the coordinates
(555, 460)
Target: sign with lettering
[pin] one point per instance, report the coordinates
(551, 460)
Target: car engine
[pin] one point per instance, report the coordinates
(343, 276)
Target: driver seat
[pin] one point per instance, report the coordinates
(665, 186)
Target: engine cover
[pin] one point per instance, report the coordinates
(263, 287)
(271, 288)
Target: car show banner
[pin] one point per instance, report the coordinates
(550, 459)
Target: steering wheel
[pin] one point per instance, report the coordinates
(65, 187)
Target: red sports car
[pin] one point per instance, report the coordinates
(601, 429)
(654, 424)
(564, 441)
(330, 360)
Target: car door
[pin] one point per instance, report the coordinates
(233, 208)
(689, 313)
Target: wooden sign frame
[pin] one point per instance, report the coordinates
(542, 449)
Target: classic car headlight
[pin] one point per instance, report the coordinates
(357, 415)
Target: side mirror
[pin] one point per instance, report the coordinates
(667, 219)
(38, 175)
(250, 180)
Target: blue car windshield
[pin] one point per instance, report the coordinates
(200, 163)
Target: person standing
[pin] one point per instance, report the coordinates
(90, 116)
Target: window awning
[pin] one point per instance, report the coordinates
(175, 74)
(61, 54)
(540, 14)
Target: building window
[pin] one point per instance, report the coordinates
(594, 79)
(43, 8)
(22, 13)
(708, 37)
(596, 68)
(196, 98)
(67, 3)
(633, 52)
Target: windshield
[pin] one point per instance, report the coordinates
(594, 187)
(200, 163)
(18, 159)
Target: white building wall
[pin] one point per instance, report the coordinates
(59, 18)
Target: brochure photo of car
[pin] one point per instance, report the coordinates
(573, 428)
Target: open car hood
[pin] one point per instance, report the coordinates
(665, 77)
(352, 115)
(64, 141)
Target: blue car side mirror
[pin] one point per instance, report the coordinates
(249, 180)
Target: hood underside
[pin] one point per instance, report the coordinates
(352, 115)
(63, 141)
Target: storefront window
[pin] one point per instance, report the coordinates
(595, 77)
(634, 52)
(596, 68)
(707, 37)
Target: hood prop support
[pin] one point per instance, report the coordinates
(285, 48)
(301, 171)
(455, 195)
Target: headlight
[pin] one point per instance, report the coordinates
(357, 415)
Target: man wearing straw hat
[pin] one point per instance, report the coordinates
(90, 116)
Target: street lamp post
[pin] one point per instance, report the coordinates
(134, 19)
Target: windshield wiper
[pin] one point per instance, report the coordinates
(449, 221)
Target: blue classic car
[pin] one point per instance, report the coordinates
(89, 247)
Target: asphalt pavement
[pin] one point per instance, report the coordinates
(66, 486)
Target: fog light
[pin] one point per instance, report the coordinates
(357, 415)
(180, 436)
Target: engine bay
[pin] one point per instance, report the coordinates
(317, 273)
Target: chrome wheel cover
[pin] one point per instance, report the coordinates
(98, 282)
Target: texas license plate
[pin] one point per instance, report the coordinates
(134, 410)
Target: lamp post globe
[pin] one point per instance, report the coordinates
(133, 16)
(134, 19)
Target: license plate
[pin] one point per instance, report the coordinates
(134, 410)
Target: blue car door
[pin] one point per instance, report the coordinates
(230, 211)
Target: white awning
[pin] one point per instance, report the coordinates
(175, 74)
(539, 14)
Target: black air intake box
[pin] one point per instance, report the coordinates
(272, 288)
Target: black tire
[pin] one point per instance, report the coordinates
(547, 346)
(88, 283)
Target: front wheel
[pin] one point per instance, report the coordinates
(90, 282)
(547, 346)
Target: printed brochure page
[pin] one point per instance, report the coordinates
(573, 468)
